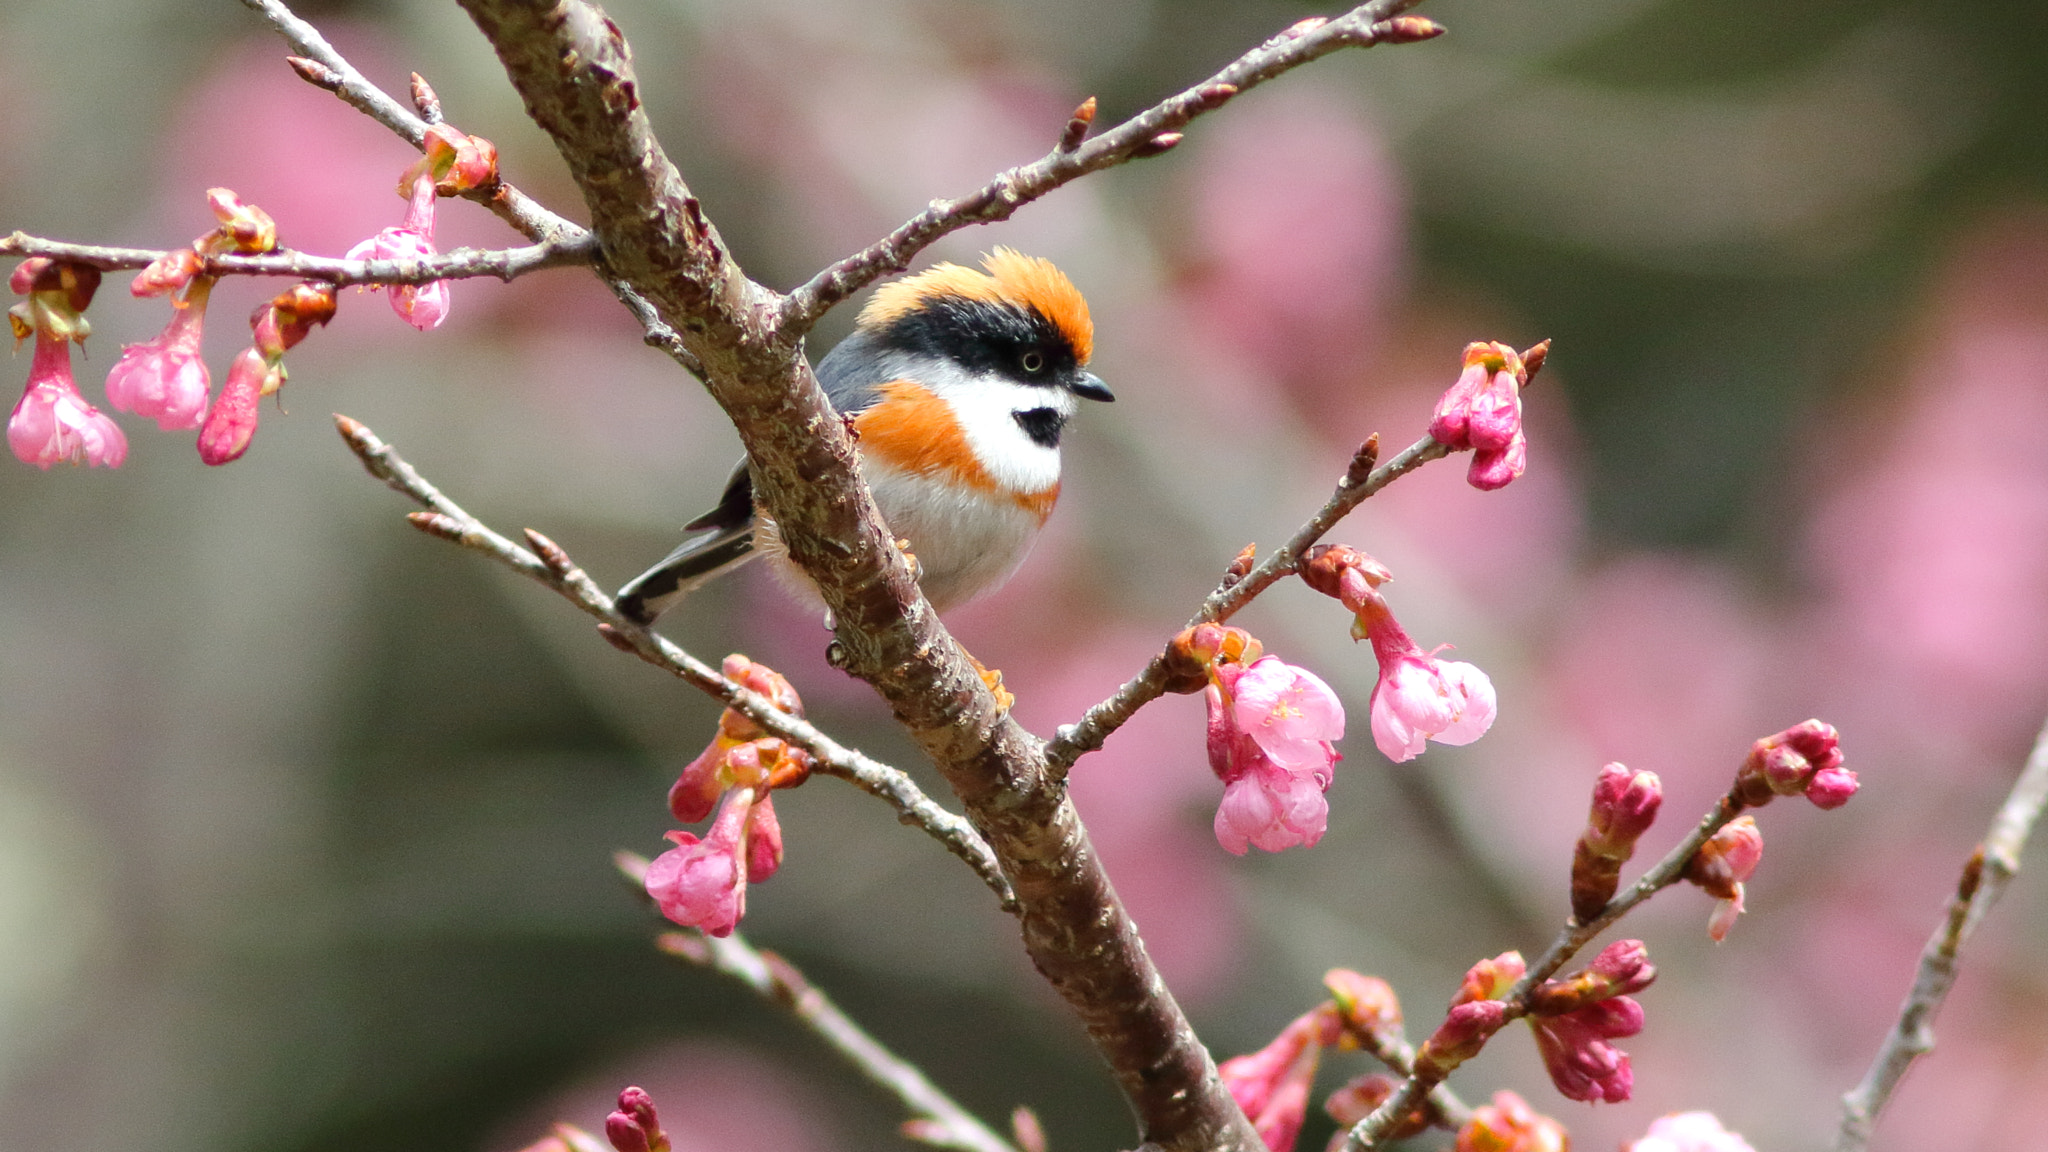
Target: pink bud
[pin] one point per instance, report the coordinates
(1576, 1053)
(1787, 764)
(634, 1127)
(231, 425)
(764, 841)
(1465, 1030)
(1491, 979)
(1831, 787)
(1621, 968)
(1272, 1085)
(1625, 804)
(1483, 412)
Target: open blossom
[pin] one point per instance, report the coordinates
(1419, 697)
(423, 306)
(1483, 412)
(702, 883)
(1270, 732)
(165, 379)
(1689, 1132)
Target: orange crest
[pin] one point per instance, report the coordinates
(1024, 282)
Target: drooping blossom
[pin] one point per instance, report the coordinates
(1689, 1132)
(259, 370)
(1510, 1125)
(165, 379)
(1483, 412)
(1728, 858)
(1272, 1085)
(1419, 697)
(702, 883)
(424, 306)
(634, 1126)
(1625, 804)
(1270, 731)
(52, 421)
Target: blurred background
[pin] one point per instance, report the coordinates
(306, 819)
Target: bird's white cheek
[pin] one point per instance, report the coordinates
(987, 412)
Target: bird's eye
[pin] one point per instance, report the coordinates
(1033, 361)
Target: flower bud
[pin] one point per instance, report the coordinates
(635, 1127)
(1803, 759)
(1721, 865)
(1621, 968)
(1625, 804)
(1465, 1030)
(1367, 1007)
(1510, 1125)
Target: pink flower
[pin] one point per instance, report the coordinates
(1272, 1085)
(1289, 712)
(164, 379)
(703, 883)
(1483, 412)
(1805, 759)
(1419, 697)
(1270, 728)
(52, 422)
(1721, 865)
(423, 306)
(1689, 1132)
(1576, 1052)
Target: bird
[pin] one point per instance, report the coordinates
(958, 384)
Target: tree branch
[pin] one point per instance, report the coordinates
(550, 565)
(1368, 1133)
(939, 1121)
(461, 264)
(1360, 481)
(1149, 133)
(575, 75)
(1990, 868)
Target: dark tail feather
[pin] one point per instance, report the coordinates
(659, 588)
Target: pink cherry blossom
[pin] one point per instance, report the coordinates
(1272, 1085)
(1483, 412)
(424, 306)
(52, 422)
(1270, 745)
(702, 883)
(1420, 698)
(231, 425)
(1289, 711)
(164, 379)
(1689, 1132)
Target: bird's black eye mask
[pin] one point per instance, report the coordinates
(1020, 343)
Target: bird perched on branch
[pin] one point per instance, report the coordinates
(958, 384)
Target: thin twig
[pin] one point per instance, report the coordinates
(549, 565)
(1990, 868)
(938, 1120)
(1072, 741)
(527, 216)
(1147, 134)
(1368, 1132)
(460, 264)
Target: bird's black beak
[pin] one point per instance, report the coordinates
(1089, 386)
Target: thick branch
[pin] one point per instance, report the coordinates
(461, 264)
(1985, 876)
(1147, 134)
(574, 72)
(940, 1122)
(549, 565)
(1359, 482)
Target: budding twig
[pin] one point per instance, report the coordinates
(1990, 868)
(548, 564)
(1369, 1132)
(938, 1120)
(1149, 133)
(460, 264)
(1360, 481)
